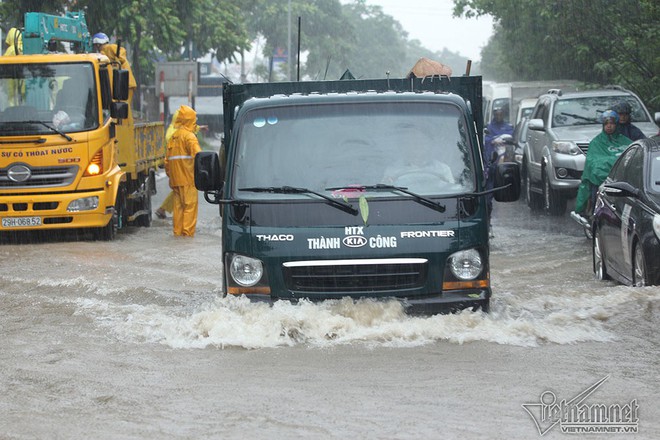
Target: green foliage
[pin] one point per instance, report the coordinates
(335, 35)
(595, 41)
(153, 29)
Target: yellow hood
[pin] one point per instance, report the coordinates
(12, 36)
(187, 118)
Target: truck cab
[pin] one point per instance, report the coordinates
(71, 155)
(360, 189)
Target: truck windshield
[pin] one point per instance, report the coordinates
(330, 148)
(34, 97)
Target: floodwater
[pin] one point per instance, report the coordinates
(132, 339)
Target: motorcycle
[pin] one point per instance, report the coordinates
(503, 150)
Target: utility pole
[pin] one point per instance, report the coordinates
(288, 53)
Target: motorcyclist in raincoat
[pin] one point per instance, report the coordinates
(180, 168)
(495, 128)
(603, 151)
(625, 126)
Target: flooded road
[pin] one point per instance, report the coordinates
(132, 339)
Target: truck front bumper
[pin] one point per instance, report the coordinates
(448, 302)
(51, 211)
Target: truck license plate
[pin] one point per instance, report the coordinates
(20, 222)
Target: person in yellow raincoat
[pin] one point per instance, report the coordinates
(168, 203)
(14, 42)
(180, 168)
(101, 44)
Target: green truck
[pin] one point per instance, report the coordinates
(356, 188)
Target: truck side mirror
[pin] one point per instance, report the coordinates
(119, 110)
(507, 173)
(120, 84)
(209, 174)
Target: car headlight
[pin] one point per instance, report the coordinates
(566, 147)
(245, 271)
(466, 265)
(84, 204)
(656, 225)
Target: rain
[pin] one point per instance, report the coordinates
(132, 335)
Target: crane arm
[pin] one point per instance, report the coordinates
(41, 29)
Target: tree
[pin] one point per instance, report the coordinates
(336, 37)
(159, 29)
(595, 41)
(323, 33)
(152, 29)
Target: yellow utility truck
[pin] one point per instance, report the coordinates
(71, 154)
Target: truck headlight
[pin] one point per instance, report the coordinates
(566, 147)
(84, 204)
(656, 225)
(466, 265)
(245, 271)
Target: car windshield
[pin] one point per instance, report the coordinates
(330, 148)
(35, 98)
(588, 110)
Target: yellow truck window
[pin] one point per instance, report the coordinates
(34, 96)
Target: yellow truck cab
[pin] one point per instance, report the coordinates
(71, 155)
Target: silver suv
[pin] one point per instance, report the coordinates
(558, 135)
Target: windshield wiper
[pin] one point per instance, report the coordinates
(45, 124)
(293, 190)
(384, 187)
(584, 118)
(50, 127)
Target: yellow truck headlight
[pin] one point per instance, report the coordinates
(95, 166)
(84, 204)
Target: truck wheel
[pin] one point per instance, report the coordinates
(117, 221)
(534, 200)
(145, 220)
(109, 232)
(553, 202)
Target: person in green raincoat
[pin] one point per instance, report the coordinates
(603, 151)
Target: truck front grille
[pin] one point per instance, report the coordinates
(41, 177)
(346, 276)
(584, 146)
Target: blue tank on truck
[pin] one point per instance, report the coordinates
(356, 188)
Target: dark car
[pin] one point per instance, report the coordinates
(626, 225)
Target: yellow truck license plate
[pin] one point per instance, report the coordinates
(20, 222)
